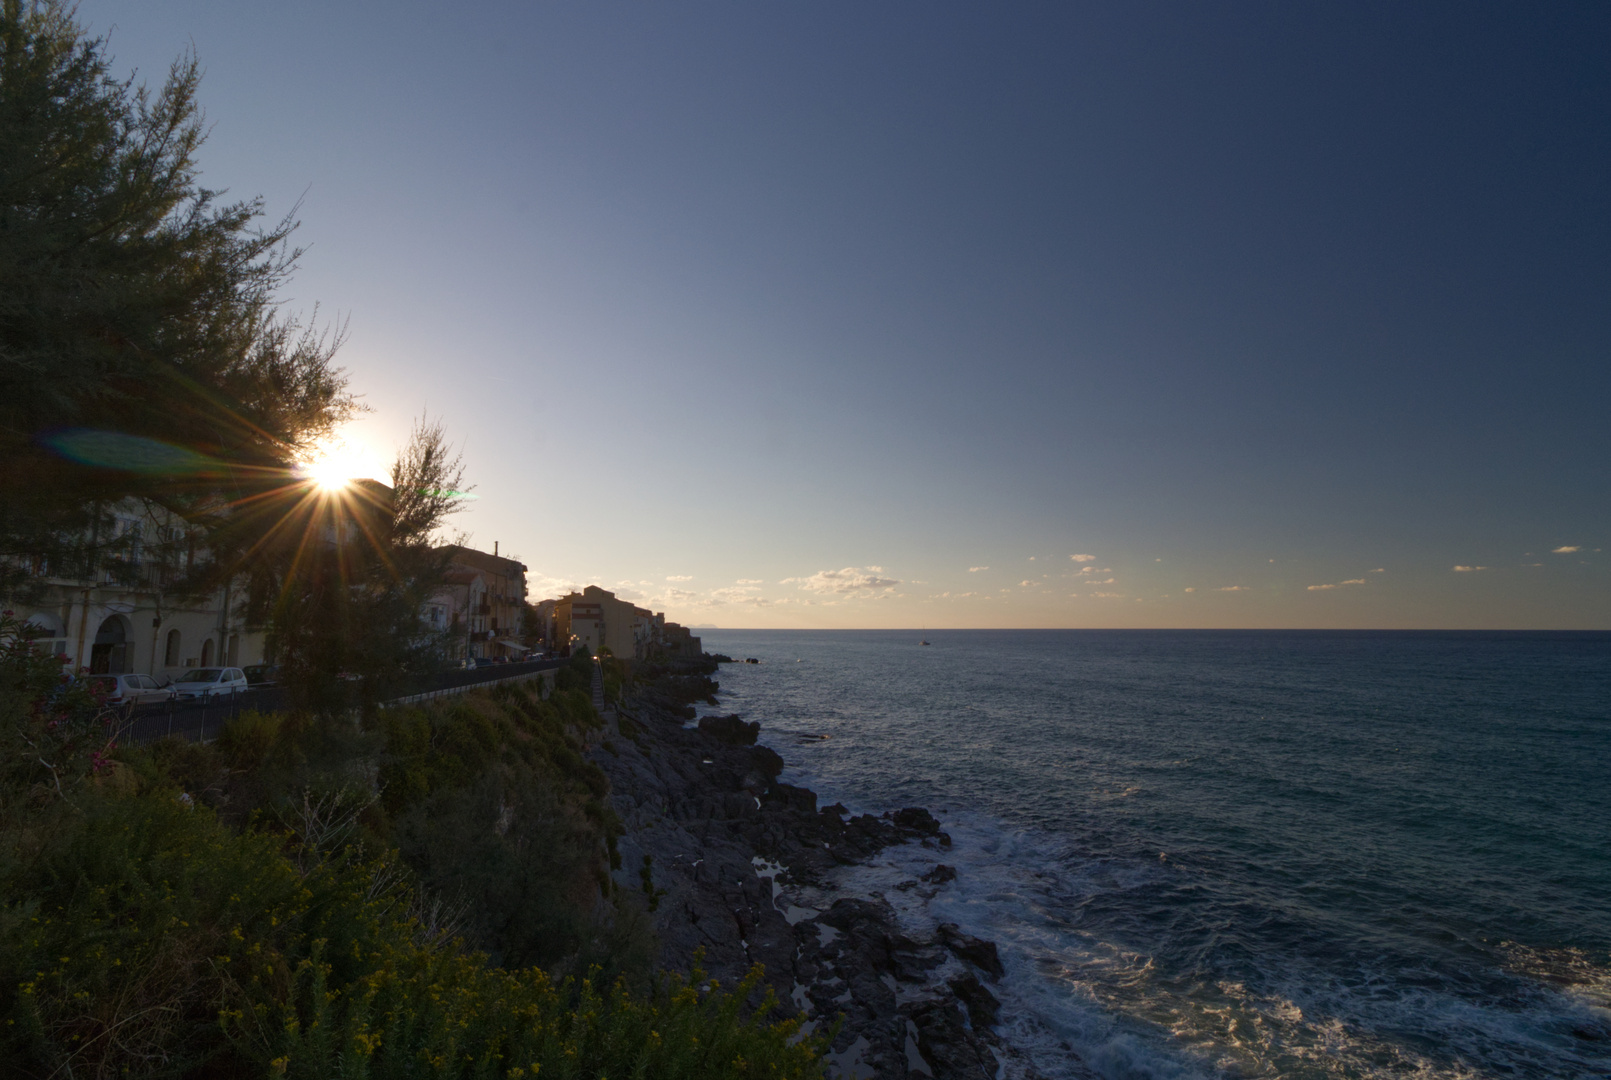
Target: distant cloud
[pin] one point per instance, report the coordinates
(1354, 581)
(1566, 550)
(1109, 595)
(738, 594)
(976, 569)
(1087, 569)
(542, 586)
(1191, 588)
(1032, 558)
(1082, 558)
(1380, 570)
(1109, 581)
(851, 581)
(1468, 569)
(1026, 583)
(1315, 588)
(680, 577)
(1231, 588)
(749, 581)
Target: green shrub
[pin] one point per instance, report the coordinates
(149, 939)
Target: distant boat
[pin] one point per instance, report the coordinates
(925, 641)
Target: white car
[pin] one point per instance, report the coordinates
(130, 689)
(204, 684)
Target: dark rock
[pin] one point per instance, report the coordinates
(983, 1008)
(688, 799)
(795, 798)
(768, 762)
(976, 951)
(918, 820)
(951, 1050)
(731, 730)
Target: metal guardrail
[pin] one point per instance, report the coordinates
(203, 720)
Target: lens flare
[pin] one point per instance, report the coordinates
(130, 453)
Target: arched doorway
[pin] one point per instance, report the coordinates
(232, 653)
(171, 655)
(207, 653)
(110, 653)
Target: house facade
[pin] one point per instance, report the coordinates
(125, 613)
(494, 591)
(598, 619)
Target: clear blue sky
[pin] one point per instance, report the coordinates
(781, 315)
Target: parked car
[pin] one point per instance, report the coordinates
(483, 661)
(262, 675)
(204, 684)
(129, 689)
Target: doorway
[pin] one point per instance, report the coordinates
(109, 655)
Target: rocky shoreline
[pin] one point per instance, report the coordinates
(746, 869)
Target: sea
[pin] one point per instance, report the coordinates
(1237, 854)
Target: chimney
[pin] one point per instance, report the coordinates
(495, 547)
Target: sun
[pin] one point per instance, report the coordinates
(330, 475)
(336, 463)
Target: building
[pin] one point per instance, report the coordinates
(494, 620)
(598, 619)
(454, 610)
(124, 611)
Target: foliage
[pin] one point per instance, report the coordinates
(144, 933)
(55, 734)
(344, 580)
(148, 939)
(134, 303)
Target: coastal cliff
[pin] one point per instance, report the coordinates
(742, 869)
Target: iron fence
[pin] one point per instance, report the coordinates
(203, 719)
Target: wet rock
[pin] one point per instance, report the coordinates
(731, 730)
(917, 819)
(801, 799)
(951, 1050)
(982, 1006)
(976, 951)
(940, 874)
(767, 761)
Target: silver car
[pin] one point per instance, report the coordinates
(130, 689)
(204, 684)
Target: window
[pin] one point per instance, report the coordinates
(170, 655)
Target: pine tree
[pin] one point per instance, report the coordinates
(141, 353)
